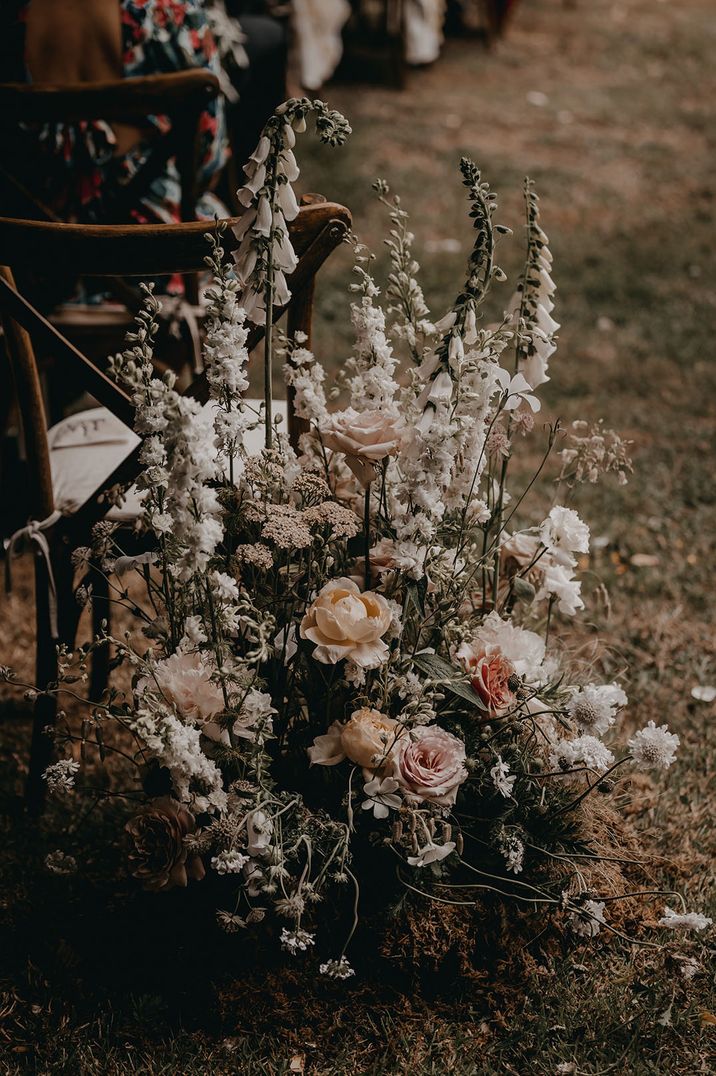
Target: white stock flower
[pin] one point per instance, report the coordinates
(654, 747)
(564, 533)
(558, 582)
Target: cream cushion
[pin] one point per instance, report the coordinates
(87, 447)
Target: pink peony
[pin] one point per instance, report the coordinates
(184, 680)
(431, 765)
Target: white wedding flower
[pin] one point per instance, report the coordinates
(593, 708)
(558, 582)
(337, 969)
(60, 776)
(298, 940)
(382, 796)
(229, 862)
(502, 782)
(525, 650)
(517, 390)
(587, 919)
(563, 533)
(584, 750)
(431, 853)
(684, 920)
(654, 747)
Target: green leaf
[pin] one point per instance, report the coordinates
(438, 669)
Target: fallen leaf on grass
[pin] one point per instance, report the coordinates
(644, 560)
(707, 1017)
(297, 1063)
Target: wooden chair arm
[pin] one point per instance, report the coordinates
(118, 100)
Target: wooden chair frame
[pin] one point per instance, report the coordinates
(137, 251)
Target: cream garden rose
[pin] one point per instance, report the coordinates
(365, 438)
(344, 622)
(369, 739)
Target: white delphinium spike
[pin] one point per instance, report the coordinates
(60, 776)
(371, 383)
(654, 747)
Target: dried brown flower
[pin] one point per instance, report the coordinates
(344, 523)
(158, 856)
(286, 528)
(258, 555)
(312, 488)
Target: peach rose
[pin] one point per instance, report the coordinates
(370, 739)
(364, 438)
(490, 676)
(431, 765)
(345, 623)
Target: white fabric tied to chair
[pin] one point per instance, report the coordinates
(21, 542)
(87, 447)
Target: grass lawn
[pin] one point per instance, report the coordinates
(608, 107)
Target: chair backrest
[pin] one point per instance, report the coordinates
(141, 251)
(181, 96)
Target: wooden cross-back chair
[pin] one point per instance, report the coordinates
(137, 251)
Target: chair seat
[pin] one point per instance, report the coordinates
(87, 447)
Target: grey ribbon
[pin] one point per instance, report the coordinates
(22, 541)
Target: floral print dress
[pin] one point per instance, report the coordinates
(73, 168)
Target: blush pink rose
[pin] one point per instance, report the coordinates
(431, 766)
(365, 438)
(369, 739)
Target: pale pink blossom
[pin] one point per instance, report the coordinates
(365, 438)
(184, 681)
(431, 765)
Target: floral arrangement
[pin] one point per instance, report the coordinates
(345, 683)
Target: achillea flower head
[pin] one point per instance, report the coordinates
(684, 920)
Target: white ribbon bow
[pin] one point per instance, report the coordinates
(20, 542)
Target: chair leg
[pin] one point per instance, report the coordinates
(101, 609)
(45, 710)
(300, 319)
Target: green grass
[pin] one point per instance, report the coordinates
(628, 197)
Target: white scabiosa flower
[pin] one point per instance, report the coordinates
(684, 920)
(654, 747)
(584, 750)
(229, 862)
(593, 708)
